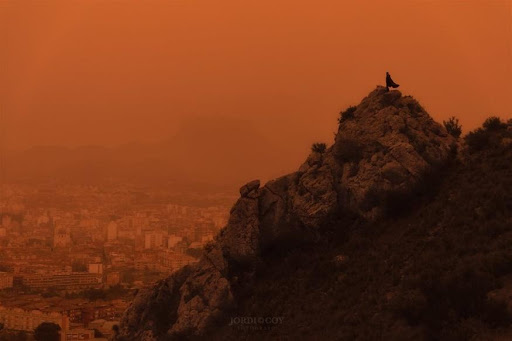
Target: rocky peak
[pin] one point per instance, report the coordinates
(384, 145)
(387, 146)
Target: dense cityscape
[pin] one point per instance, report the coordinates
(76, 255)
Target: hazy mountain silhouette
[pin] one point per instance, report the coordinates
(234, 152)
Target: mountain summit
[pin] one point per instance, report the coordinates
(383, 151)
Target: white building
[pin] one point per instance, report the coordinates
(112, 231)
(95, 268)
(28, 320)
(154, 240)
(173, 240)
(61, 237)
(6, 221)
(5, 280)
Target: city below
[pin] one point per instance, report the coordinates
(75, 256)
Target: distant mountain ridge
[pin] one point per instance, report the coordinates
(204, 150)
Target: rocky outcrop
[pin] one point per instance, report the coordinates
(393, 144)
(386, 145)
(250, 187)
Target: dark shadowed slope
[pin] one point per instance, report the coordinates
(438, 267)
(384, 149)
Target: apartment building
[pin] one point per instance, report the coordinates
(28, 320)
(65, 281)
(6, 280)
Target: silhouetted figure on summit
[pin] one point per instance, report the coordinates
(390, 83)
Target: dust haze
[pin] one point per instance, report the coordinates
(113, 74)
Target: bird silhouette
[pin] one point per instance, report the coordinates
(390, 83)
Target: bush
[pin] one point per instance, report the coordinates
(347, 114)
(318, 147)
(490, 136)
(453, 127)
(478, 139)
(47, 331)
(494, 123)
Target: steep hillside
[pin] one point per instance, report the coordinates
(375, 238)
(437, 267)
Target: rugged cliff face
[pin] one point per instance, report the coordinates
(383, 149)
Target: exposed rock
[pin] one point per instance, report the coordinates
(203, 297)
(239, 240)
(312, 160)
(249, 187)
(316, 197)
(394, 172)
(398, 143)
(388, 145)
(154, 310)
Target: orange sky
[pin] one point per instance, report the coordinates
(108, 72)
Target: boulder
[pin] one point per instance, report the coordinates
(249, 187)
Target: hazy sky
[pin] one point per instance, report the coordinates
(109, 72)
